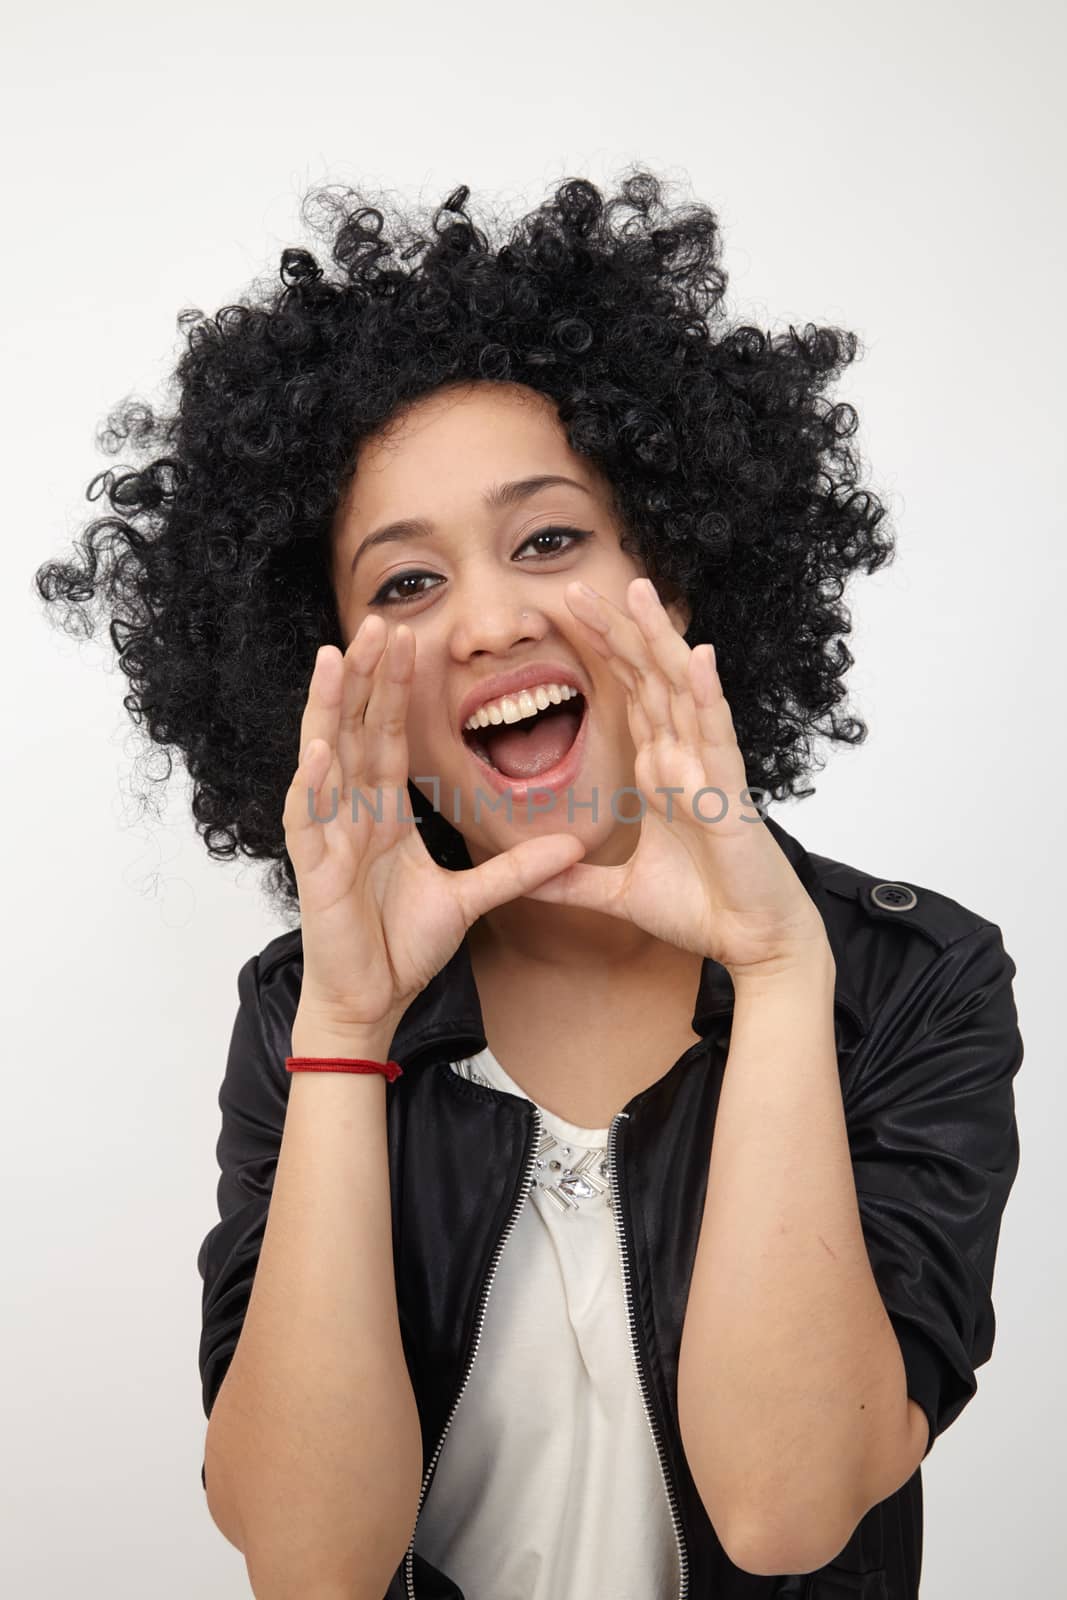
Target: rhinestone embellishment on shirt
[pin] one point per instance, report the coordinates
(570, 1176)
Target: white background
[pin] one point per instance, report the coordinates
(892, 169)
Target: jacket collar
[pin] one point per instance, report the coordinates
(448, 1009)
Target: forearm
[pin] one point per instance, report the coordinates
(313, 1460)
(790, 1376)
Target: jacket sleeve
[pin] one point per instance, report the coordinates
(253, 1100)
(935, 1150)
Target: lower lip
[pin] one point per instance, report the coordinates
(554, 779)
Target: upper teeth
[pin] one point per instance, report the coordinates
(512, 708)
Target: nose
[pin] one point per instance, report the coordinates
(496, 629)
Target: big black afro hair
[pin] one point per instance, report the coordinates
(733, 476)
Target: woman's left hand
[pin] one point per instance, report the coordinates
(722, 888)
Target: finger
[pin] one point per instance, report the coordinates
(713, 712)
(514, 873)
(640, 728)
(322, 705)
(628, 676)
(621, 634)
(319, 722)
(592, 888)
(595, 626)
(360, 664)
(385, 723)
(721, 751)
(308, 802)
(671, 654)
(665, 644)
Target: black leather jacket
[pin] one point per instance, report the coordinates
(928, 1046)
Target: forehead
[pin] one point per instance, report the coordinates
(454, 443)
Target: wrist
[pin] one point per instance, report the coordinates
(806, 969)
(315, 1034)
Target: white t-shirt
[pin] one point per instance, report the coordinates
(548, 1486)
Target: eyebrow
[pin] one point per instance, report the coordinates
(495, 497)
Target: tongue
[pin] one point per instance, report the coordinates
(526, 749)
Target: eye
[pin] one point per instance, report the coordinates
(578, 535)
(384, 596)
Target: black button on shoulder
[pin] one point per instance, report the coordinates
(893, 896)
(899, 908)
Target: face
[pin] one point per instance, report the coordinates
(481, 586)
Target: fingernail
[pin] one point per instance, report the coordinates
(590, 594)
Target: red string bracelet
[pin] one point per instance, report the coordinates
(391, 1069)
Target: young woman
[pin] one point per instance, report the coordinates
(610, 1187)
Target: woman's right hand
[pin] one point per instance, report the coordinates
(379, 917)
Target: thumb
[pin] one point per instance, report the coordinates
(591, 888)
(515, 872)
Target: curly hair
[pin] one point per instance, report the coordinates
(732, 475)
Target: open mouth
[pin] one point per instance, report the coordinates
(522, 751)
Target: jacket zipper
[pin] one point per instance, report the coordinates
(531, 1157)
(683, 1558)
